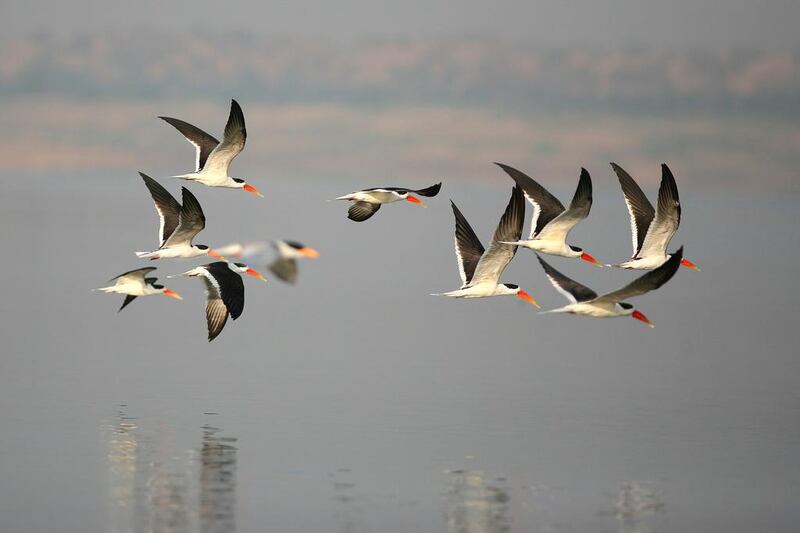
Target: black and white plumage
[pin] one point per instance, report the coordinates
(134, 283)
(179, 224)
(551, 222)
(651, 228)
(284, 267)
(586, 302)
(481, 269)
(212, 158)
(224, 294)
(366, 202)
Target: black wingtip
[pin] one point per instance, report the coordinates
(584, 172)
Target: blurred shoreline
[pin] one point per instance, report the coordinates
(404, 109)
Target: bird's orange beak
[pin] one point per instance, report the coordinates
(687, 263)
(589, 259)
(215, 254)
(249, 188)
(415, 200)
(309, 252)
(255, 274)
(528, 298)
(638, 315)
(172, 294)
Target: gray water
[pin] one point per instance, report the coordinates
(356, 402)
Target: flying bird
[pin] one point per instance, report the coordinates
(285, 265)
(551, 222)
(213, 158)
(367, 202)
(481, 269)
(651, 229)
(134, 284)
(586, 302)
(179, 224)
(224, 294)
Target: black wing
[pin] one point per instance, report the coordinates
(137, 273)
(433, 190)
(468, 247)
(546, 207)
(231, 287)
(284, 269)
(202, 141)
(232, 141)
(639, 208)
(192, 219)
(361, 211)
(168, 208)
(648, 282)
(574, 291)
(667, 219)
(128, 299)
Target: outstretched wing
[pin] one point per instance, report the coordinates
(192, 220)
(133, 276)
(499, 255)
(558, 228)
(284, 269)
(232, 142)
(361, 211)
(203, 142)
(667, 219)
(546, 207)
(571, 289)
(433, 190)
(167, 207)
(648, 282)
(639, 208)
(128, 299)
(468, 247)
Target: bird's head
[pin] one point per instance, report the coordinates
(407, 196)
(209, 252)
(510, 288)
(585, 256)
(244, 269)
(247, 187)
(629, 310)
(168, 292)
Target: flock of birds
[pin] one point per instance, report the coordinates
(652, 228)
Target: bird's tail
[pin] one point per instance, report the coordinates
(147, 255)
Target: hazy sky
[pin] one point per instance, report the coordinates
(770, 24)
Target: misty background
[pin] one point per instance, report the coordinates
(355, 401)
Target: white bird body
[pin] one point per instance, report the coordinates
(552, 247)
(183, 251)
(648, 262)
(481, 290)
(132, 289)
(595, 309)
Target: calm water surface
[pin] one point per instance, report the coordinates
(355, 402)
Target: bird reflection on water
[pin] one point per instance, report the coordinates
(476, 504)
(152, 489)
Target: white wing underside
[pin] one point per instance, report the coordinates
(492, 263)
(658, 236)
